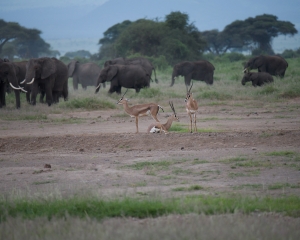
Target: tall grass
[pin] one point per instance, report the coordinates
(144, 208)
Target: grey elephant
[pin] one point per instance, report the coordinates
(274, 65)
(48, 74)
(257, 78)
(128, 76)
(144, 62)
(84, 73)
(12, 73)
(200, 70)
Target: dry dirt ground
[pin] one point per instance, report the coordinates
(240, 150)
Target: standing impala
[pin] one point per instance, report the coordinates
(140, 110)
(191, 107)
(159, 127)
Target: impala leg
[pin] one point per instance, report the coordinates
(191, 120)
(195, 124)
(137, 124)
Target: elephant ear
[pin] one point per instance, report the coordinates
(71, 68)
(48, 67)
(111, 72)
(258, 61)
(186, 68)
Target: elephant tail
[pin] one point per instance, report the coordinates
(160, 108)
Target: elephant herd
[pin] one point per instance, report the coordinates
(49, 76)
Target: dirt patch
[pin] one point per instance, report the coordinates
(235, 150)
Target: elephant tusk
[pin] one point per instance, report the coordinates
(23, 81)
(98, 86)
(31, 81)
(14, 87)
(23, 90)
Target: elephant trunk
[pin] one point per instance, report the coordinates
(173, 79)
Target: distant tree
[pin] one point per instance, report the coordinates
(79, 53)
(177, 20)
(258, 33)
(26, 43)
(112, 33)
(10, 31)
(32, 46)
(174, 38)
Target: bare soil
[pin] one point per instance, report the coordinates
(98, 151)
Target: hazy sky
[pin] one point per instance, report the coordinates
(71, 24)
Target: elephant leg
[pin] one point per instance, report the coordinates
(75, 83)
(65, 91)
(2, 94)
(137, 90)
(49, 97)
(187, 80)
(34, 92)
(17, 95)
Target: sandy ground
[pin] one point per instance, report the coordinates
(98, 151)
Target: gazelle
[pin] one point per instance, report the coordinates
(140, 110)
(159, 127)
(191, 107)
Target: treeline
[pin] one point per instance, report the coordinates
(163, 42)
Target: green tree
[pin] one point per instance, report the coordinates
(174, 38)
(10, 31)
(258, 33)
(27, 43)
(79, 53)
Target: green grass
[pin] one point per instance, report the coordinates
(142, 208)
(143, 165)
(89, 103)
(191, 188)
(281, 153)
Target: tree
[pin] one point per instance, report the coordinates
(79, 53)
(258, 32)
(27, 43)
(174, 38)
(10, 31)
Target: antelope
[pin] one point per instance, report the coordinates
(140, 110)
(191, 107)
(159, 127)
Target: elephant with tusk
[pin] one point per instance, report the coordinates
(48, 74)
(12, 73)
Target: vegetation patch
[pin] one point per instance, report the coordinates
(89, 103)
(191, 188)
(152, 207)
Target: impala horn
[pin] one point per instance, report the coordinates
(172, 107)
(122, 96)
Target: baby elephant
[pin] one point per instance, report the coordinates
(257, 78)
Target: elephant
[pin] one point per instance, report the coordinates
(274, 65)
(48, 74)
(199, 70)
(128, 76)
(144, 62)
(85, 73)
(12, 73)
(257, 78)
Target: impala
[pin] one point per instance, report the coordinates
(140, 110)
(159, 127)
(191, 107)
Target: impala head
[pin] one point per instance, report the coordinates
(188, 93)
(122, 99)
(173, 109)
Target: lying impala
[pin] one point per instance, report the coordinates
(159, 127)
(191, 107)
(140, 110)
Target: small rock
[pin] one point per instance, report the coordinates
(47, 165)
(182, 148)
(235, 146)
(254, 148)
(81, 150)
